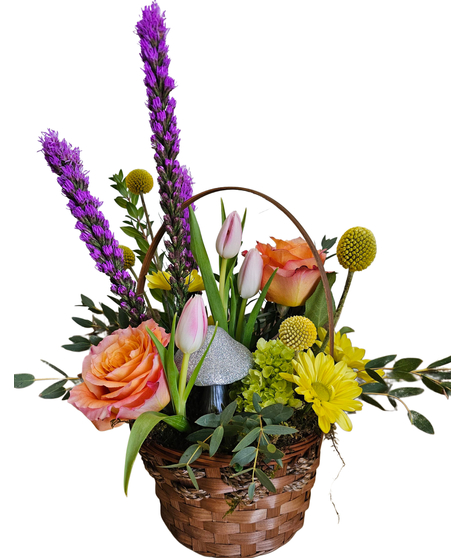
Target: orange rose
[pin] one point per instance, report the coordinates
(122, 377)
(297, 275)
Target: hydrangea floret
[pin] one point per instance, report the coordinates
(271, 359)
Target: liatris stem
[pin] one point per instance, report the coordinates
(95, 230)
(174, 181)
(337, 314)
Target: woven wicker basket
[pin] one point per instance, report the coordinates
(199, 519)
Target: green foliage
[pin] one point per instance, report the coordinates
(249, 435)
(405, 370)
(100, 329)
(316, 308)
(271, 358)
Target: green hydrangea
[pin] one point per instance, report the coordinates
(271, 358)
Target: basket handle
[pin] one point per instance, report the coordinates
(161, 231)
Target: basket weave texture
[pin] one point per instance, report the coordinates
(199, 519)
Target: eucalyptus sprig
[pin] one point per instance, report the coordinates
(434, 377)
(253, 433)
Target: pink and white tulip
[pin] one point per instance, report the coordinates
(250, 274)
(229, 238)
(192, 326)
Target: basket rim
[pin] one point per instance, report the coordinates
(223, 460)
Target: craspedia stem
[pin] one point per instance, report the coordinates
(340, 306)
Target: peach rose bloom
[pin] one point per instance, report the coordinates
(297, 276)
(122, 377)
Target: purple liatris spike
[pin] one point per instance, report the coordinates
(95, 231)
(175, 181)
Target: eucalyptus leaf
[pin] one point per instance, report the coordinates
(228, 413)
(439, 363)
(272, 410)
(433, 386)
(407, 364)
(79, 339)
(82, 322)
(216, 440)
(190, 472)
(210, 420)
(251, 491)
(421, 422)
(405, 376)
(191, 454)
(23, 380)
(86, 301)
(199, 435)
(54, 391)
(77, 347)
(123, 319)
(374, 388)
(284, 415)
(110, 314)
(375, 376)
(246, 455)
(265, 480)
(380, 361)
(278, 430)
(406, 392)
(371, 401)
(248, 439)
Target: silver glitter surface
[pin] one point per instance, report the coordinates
(226, 362)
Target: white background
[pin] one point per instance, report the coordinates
(348, 114)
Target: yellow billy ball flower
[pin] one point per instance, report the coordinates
(298, 333)
(129, 256)
(139, 181)
(356, 249)
(331, 388)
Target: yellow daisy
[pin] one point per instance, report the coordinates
(331, 388)
(161, 280)
(345, 352)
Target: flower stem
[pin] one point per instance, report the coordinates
(182, 384)
(144, 294)
(240, 322)
(337, 314)
(224, 263)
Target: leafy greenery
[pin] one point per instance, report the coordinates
(405, 370)
(253, 435)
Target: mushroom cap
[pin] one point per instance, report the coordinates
(226, 362)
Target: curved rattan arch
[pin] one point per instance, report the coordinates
(161, 231)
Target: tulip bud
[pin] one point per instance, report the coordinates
(229, 238)
(250, 274)
(192, 326)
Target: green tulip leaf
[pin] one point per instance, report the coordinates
(141, 428)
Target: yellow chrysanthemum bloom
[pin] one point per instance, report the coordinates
(331, 388)
(356, 249)
(139, 181)
(161, 280)
(298, 333)
(128, 256)
(345, 352)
